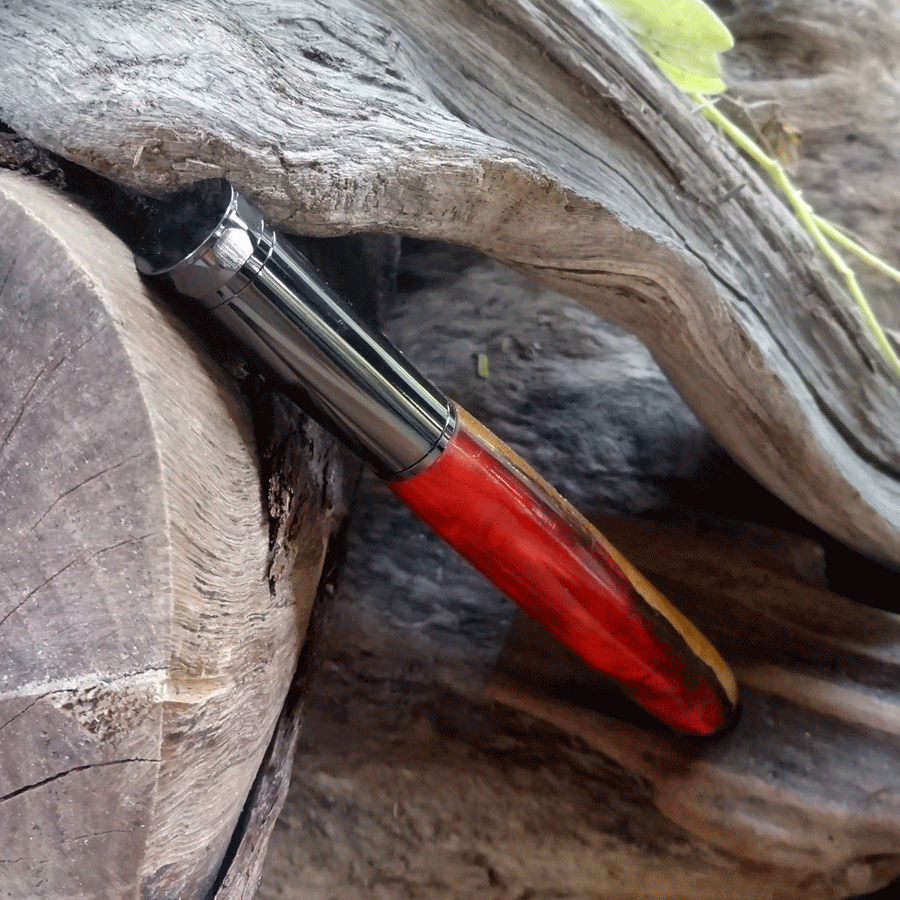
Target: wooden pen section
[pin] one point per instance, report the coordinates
(502, 517)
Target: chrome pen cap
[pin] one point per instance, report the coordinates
(210, 243)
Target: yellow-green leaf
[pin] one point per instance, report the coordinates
(689, 82)
(691, 70)
(683, 37)
(689, 24)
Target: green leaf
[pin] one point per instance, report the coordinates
(692, 71)
(688, 24)
(683, 37)
(689, 82)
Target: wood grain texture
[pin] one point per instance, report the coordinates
(404, 789)
(815, 669)
(148, 634)
(534, 131)
(829, 71)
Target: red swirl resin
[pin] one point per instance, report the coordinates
(505, 525)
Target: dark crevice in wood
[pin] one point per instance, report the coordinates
(267, 794)
(22, 155)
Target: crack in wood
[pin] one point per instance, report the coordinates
(93, 834)
(77, 682)
(49, 373)
(81, 558)
(21, 412)
(51, 778)
(9, 271)
(22, 712)
(72, 490)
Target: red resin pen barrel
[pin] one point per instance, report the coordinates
(490, 506)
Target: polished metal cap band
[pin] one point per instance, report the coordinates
(228, 237)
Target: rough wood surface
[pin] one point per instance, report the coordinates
(150, 621)
(807, 779)
(534, 131)
(408, 783)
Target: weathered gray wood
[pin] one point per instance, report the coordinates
(402, 789)
(807, 779)
(408, 151)
(829, 70)
(534, 131)
(150, 620)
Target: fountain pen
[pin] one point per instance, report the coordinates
(214, 247)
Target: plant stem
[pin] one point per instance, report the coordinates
(814, 224)
(830, 230)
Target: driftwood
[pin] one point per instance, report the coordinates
(806, 779)
(833, 80)
(534, 131)
(152, 606)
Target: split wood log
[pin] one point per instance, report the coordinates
(154, 594)
(408, 783)
(531, 129)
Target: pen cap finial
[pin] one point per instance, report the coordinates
(206, 240)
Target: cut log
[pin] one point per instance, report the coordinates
(532, 130)
(153, 604)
